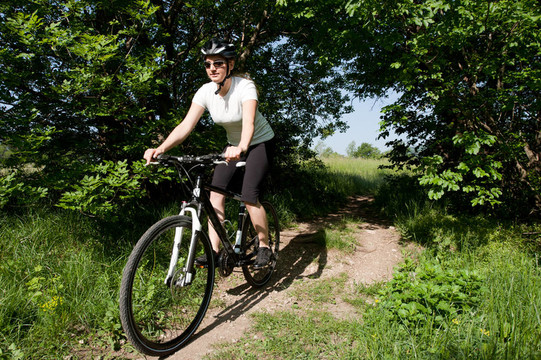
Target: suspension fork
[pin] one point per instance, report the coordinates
(194, 213)
(189, 269)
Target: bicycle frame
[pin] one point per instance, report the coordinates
(144, 300)
(200, 201)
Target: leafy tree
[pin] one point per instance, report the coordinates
(351, 148)
(365, 151)
(86, 85)
(469, 77)
(368, 151)
(74, 86)
(323, 150)
(469, 73)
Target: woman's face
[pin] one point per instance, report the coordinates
(216, 67)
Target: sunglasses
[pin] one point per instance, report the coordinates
(217, 64)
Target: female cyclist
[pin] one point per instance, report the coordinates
(232, 103)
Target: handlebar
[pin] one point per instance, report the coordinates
(187, 163)
(210, 159)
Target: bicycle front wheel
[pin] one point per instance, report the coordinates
(160, 316)
(250, 245)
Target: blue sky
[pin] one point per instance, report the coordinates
(363, 126)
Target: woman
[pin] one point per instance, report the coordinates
(232, 103)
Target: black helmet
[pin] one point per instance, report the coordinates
(219, 47)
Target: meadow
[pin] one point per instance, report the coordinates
(473, 293)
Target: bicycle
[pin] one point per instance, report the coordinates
(164, 294)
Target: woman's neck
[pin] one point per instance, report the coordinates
(225, 88)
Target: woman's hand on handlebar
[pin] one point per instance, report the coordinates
(151, 154)
(233, 153)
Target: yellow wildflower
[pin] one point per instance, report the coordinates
(52, 304)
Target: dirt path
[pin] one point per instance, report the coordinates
(302, 260)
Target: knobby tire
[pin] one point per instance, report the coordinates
(159, 319)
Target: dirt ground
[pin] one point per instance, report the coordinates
(377, 251)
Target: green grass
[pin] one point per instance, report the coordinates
(311, 189)
(341, 236)
(476, 293)
(323, 292)
(355, 175)
(59, 279)
(286, 335)
(364, 168)
(482, 304)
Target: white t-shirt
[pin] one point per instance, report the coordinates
(227, 111)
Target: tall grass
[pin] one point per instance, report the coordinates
(312, 189)
(355, 175)
(367, 169)
(59, 275)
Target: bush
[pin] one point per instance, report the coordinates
(15, 191)
(429, 294)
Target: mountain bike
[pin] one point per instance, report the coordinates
(164, 293)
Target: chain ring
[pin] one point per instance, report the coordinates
(226, 264)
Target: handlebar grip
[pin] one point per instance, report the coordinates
(163, 157)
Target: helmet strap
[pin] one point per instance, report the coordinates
(220, 85)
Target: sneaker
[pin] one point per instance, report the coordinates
(263, 257)
(202, 260)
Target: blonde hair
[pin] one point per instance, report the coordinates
(243, 75)
(246, 76)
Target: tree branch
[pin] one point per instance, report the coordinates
(250, 45)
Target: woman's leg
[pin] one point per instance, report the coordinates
(221, 178)
(218, 203)
(257, 165)
(258, 215)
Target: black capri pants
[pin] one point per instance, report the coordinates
(258, 160)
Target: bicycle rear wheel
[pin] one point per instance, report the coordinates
(250, 245)
(160, 318)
